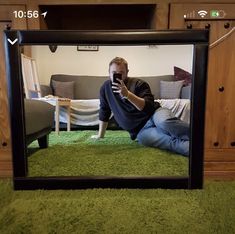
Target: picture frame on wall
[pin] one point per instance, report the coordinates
(88, 48)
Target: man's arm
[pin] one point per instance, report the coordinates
(138, 102)
(102, 129)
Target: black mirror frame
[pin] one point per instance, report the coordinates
(199, 38)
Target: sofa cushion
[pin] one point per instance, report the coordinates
(186, 92)
(170, 89)
(45, 90)
(63, 89)
(86, 87)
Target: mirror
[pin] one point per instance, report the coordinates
(171, 67)
(115, 155)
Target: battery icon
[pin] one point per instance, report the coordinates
(214, 13)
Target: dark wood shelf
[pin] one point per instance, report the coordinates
(99, 17)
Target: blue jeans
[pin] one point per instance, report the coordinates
(165, 131)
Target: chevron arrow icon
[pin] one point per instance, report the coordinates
(12, 42)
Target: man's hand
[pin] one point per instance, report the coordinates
(120, 88)
(95, 137)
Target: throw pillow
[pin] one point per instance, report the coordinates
(63, 89)
(180, 74)
(170, 89)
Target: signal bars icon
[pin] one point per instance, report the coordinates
(202, 13)
(190, 15)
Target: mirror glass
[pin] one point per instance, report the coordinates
(75, 74)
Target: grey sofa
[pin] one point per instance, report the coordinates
(88, 87)
(39, 120)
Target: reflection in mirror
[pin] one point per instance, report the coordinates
(63, 101)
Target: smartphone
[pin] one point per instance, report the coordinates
(117, 76)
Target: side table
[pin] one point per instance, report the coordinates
(62, 102)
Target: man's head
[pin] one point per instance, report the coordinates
(118, 65)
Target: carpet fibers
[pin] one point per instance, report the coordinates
(107, 211)
(207, 211)
(75, 153)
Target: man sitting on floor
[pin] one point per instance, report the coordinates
(132, 104)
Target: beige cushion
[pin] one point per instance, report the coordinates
(170, 89)
(63, 89)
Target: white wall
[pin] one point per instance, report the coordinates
(142, 60)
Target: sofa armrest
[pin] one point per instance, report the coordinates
(35, 110)
(45, 90)
(186, 92)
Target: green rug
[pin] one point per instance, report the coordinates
(108, 211)
(75, 153)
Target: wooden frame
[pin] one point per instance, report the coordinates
(199, 38)
(88, 48)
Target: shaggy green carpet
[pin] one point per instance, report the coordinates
(75, 153)
(107, 211)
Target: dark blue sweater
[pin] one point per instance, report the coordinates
(125, 113)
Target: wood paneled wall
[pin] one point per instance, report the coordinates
(218, 160)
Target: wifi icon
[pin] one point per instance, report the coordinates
(202, 13)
